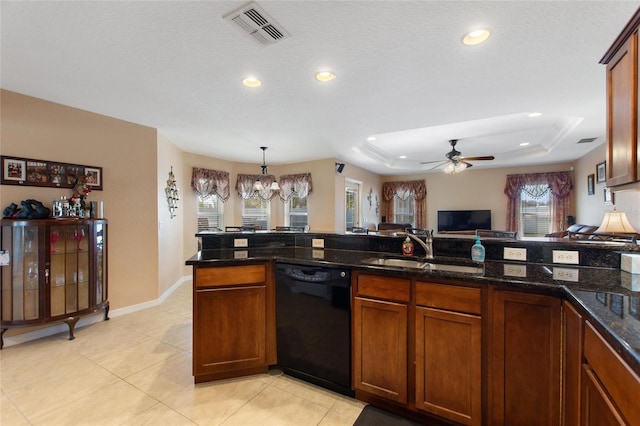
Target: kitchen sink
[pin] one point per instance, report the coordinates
(426, 265)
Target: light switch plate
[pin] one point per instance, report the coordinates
(317, 243)
(566, 256)
(511, 253)
(241, 242)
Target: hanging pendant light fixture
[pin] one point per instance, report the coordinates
(258, 185)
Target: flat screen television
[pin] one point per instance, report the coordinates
(463, 220)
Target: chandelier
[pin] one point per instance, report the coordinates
(258, 185)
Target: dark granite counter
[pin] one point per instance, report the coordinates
(607, 296)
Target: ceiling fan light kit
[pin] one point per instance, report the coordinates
(455, 162)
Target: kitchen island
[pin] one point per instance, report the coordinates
(539, 293)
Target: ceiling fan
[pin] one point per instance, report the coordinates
(455, 162)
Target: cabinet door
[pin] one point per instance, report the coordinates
(622, 114)
(229, 328)
(572, 348)
(525, 359)
(597, 408)
(380, 348)
(449, 365)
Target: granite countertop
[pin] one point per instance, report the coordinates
(606, 295)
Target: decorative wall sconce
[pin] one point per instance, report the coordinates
(172, 194)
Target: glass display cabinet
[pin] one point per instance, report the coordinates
(52, 270)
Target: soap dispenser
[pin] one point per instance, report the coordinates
(407, 247)
(477, 251)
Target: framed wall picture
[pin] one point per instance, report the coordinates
(601, 172)
(31, 172)
(591, 185)
(14, 170)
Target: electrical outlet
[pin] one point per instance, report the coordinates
(515, 270)
(317, 243)
(317, 254)
(566, 256)
(511, 253)
(241, 242)
(565, 274)
(240, 254)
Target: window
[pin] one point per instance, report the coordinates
(256, 211)
(535, 210)
(296, 212)
(210, 210)
(352, 204)
(404, 210)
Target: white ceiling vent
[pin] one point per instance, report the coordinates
(253, 20)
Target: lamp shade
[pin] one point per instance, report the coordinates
(615, 222)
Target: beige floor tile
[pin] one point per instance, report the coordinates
(212, 403)
(336, 419)
(64, 382)
(276, 407)
(166, 378)
(9, 414)
(305, 390)
(348, 406)
(111, 405)
(159, 415)
(125, 362)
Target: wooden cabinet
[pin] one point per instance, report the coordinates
(524, 366)
(572, 358)
(610, 388)
(233, 321)
(380, 315)
(622, 107)
(57, 271)
(448, 353)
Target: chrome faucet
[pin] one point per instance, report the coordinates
(427, 245)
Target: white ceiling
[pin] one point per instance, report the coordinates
(403, 75)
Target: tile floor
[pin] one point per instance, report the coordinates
(136, 370)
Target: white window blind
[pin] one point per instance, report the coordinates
(210, 210)
(404, 210)
(256, 211)
(535, 210)
(296, 212)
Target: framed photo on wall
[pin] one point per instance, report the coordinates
(14, 170)
(608, 196)
(601, 172)
(591, 185)
(31, 172)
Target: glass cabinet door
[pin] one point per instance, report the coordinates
(69, 268)
(101, 262)
(20, 279)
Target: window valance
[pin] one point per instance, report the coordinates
(417, 188)
(299, 184)
(209, 182)
(244, 186)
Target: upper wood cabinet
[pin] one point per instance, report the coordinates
(622, 107)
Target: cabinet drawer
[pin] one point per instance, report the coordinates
(230, 275)
(619, 380)
(449, 297)
(396, 289)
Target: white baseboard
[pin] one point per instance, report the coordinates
(91, 319)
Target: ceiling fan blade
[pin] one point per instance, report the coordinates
(467, 163)
(440, 163)
(434, 161)
(486, 157)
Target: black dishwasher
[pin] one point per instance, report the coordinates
(313, 323)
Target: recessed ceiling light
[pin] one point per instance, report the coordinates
(403, 156)
(535, 114)
(476, 37)
(325, 76)
(251, 82)
(371, 138)
(524, 144)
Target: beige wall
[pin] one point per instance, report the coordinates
(481, 189)
(34, 128)
(170, 230)
(591, 208)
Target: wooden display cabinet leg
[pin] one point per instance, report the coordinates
(71, 322)
(2, 337)
(106, 312)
